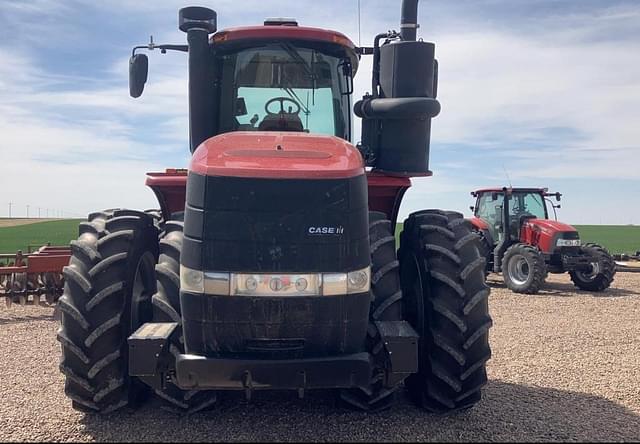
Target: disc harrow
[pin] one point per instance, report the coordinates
(35, 278)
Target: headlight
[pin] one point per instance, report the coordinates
(568, 243)
(191, 280)
(272, 284)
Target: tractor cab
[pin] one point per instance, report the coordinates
(286, 85)
(520, 204)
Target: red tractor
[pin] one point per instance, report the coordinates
(522, 242)
(272, 263)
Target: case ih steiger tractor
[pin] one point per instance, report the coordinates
(521, 241)
(273, 264)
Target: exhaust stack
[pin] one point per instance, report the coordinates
(198, 22)
(409, 20)
(396, 118)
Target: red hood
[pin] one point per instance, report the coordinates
(479, 223)
(274, 154)
(550, 226)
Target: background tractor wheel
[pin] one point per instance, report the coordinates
(446, 302)
(486, 251)
(107, 296)
(166, 308)
(602, 273)
(386, 305)
(523, 269)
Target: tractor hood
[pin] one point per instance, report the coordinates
(279, 155)
(550, 227)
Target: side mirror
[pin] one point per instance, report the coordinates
(558, 196)
(472, 208)
(346, 77)
(138, 71)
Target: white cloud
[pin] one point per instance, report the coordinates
(80, 150)
(498, 87)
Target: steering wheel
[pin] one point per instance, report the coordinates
(282, 111)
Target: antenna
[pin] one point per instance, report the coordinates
(359, 23)
(508, 178)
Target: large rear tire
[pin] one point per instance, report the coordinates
(386, 305)
(523, 269)
(107, 296)
(446, 302)
(166, 308)
(602, 273)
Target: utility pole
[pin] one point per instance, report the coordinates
(27, 211)
(38, 212)
(47, 213)
(9, 210)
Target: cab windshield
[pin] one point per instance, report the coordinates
(529, 204)
(282, 87)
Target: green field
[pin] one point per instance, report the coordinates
(615, 238)
(57, 232)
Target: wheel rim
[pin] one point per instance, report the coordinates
(144, 285)
(518, 269)
(591, 275)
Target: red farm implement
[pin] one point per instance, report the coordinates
(25, 278)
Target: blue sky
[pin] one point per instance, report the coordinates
(546, 91)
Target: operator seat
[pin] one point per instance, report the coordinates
(281, 122)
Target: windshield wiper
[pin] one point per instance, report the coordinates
(295, 97)
(308, 69)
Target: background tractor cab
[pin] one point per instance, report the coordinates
(522, 242)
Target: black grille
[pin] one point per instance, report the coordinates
(265, 225)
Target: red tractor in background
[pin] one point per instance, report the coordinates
(521, 241)
(274, 264)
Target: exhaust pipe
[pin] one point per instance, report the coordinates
(409, 20)
(198, 22)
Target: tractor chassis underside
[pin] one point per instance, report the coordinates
(562, 263)
(150, 361)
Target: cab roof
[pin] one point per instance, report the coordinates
(287, 31)
(513, 190)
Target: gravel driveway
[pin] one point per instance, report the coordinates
(566, 366)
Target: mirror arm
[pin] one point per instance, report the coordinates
(163, 48)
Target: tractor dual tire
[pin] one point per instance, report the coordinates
(600, 279)
(524, 269)
(166, 308)
(446, 301)
(386, 305)
(107, 296)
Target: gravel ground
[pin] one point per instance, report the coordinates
(566, 366)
